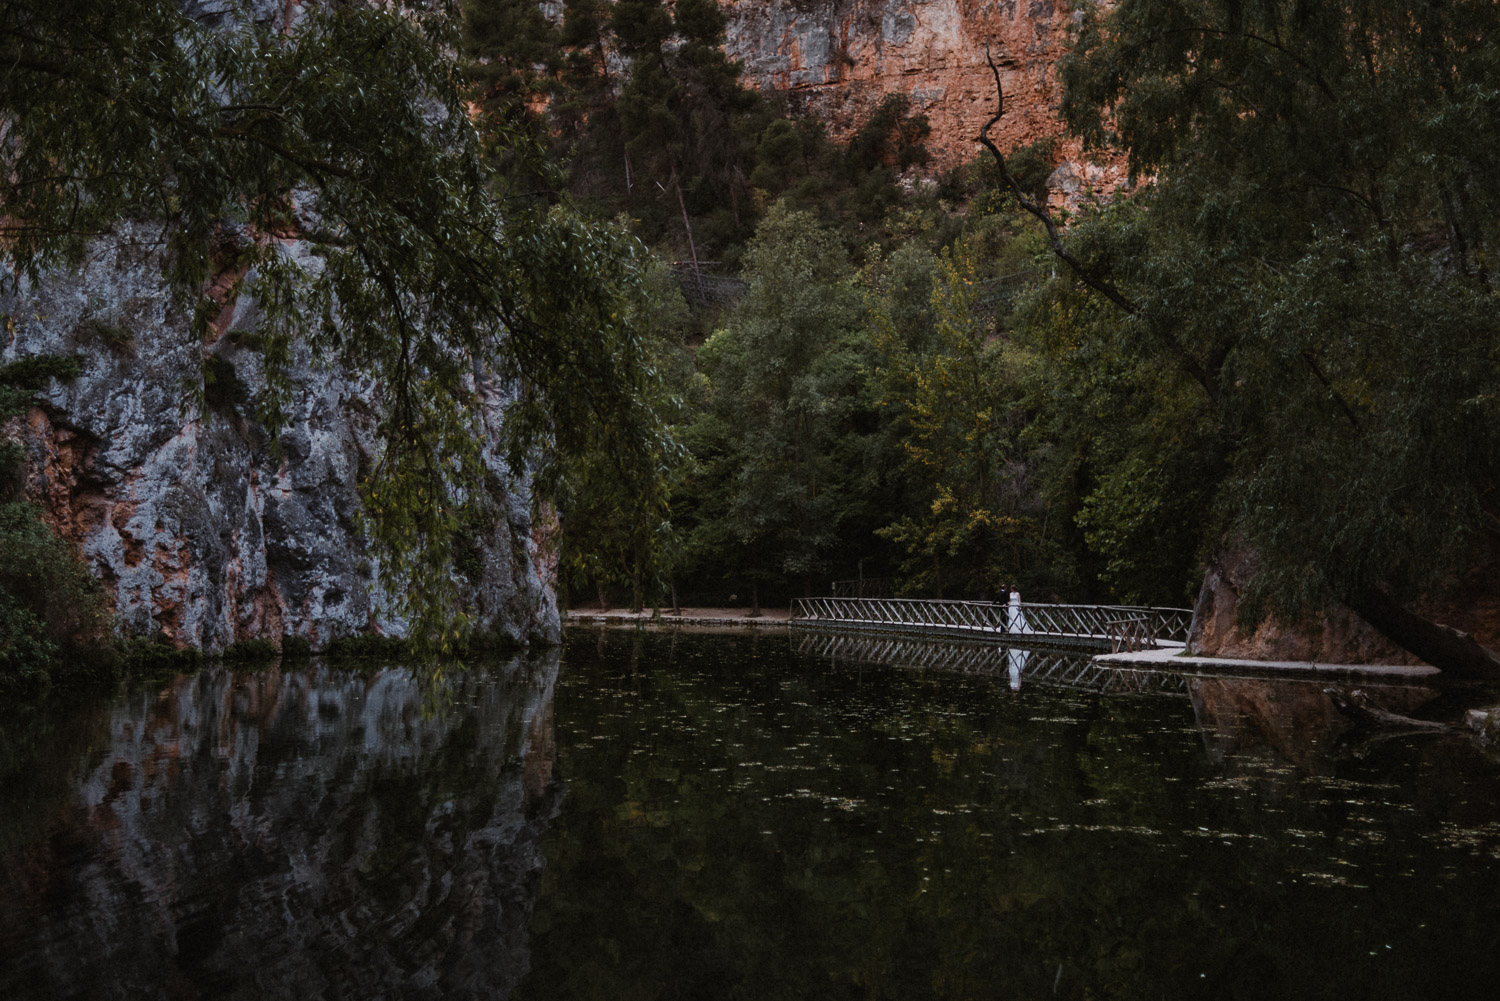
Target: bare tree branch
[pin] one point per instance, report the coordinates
(1205, 377)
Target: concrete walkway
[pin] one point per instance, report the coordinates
(1173, 659)
(738, 617)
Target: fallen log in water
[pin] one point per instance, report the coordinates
(1360, 708)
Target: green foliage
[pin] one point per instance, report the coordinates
(367, 647)
(1032, 164)
(952, 392)
(350, 130)
(1315, 253)
(147, 657)
(779, 154)
(679, 111)
(1126, 450)
(675, 141)
(512, 56)
(614, 514)
(892, 137)
(514, 39)
(33, 372)
(223, 388)
(53, 619)
(785, 375)
(25, 651)
(257, 651)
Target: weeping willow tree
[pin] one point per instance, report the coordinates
(344, 128)
(1312, 252)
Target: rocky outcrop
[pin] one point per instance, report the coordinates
(1340, 637)
(203, 530)
(1485, 723)
(837, 59)
(308, 833)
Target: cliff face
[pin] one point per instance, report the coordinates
(203, 530)
(153, 462)
(838, 58)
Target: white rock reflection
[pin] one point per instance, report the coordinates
(305, 833)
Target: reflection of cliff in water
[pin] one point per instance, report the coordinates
(294, 834)
(1252, 723)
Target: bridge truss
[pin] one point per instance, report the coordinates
(1110, 627)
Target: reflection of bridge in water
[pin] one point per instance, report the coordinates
(1094, 627)
(1015, 664)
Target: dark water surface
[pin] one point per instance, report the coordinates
(307, 833)
(742, 822)
(745, 816)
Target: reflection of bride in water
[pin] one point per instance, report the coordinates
(1239, 717)
(1015, 659)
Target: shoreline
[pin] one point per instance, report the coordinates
(690, 617)
(1166, 658)
(1172, 658)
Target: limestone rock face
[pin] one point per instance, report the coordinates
(838, 59)
(152, 461)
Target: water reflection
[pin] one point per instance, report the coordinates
(1292, 720)
(308, 833)
(1241, 719)
(1046, 666)
(745, 821)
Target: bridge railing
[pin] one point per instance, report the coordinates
(1130, 633)
(1116, 625)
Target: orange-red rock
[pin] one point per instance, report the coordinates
(838, 59)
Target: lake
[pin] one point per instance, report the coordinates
(673, 815)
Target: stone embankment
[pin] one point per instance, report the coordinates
(689, 617)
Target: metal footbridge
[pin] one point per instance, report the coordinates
(1115, 628)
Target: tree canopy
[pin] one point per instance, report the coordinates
(1312, 249)
(345, 129)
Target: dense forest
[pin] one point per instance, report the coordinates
(757, 358)
(1282, 341)
(865, 400)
